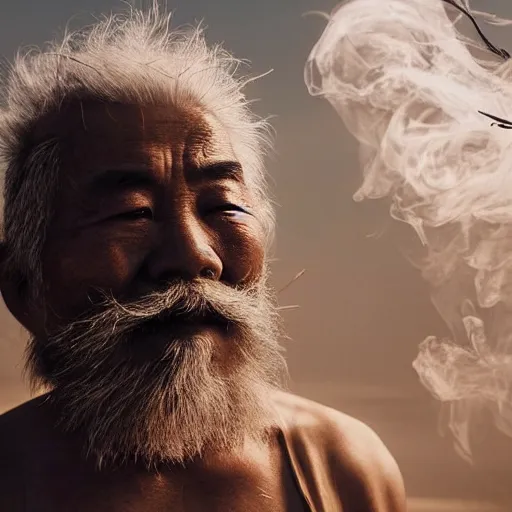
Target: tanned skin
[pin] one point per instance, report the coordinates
(111, 241)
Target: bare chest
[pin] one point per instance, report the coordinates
(259, 481)
(240, 491)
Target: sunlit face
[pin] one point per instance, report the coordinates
(147, 195)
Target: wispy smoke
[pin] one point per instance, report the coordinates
(404, 82)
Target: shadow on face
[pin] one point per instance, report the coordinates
(147, 195)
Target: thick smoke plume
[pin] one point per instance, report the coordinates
(407, 85)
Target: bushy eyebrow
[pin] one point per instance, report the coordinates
(120, 179)
(217, 171)
(117, 179)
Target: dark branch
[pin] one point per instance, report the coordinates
(501, 123)
(495, 118)
(498, 51)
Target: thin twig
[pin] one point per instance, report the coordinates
(299, 275)
(284, 308)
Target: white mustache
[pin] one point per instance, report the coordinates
(98, 334)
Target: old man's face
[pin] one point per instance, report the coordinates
(158, 331)
(148, 195)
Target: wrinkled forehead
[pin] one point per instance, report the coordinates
(92, 134)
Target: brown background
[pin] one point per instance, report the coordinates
(363, 309)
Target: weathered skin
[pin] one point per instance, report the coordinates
(42, 471)
(339, 463)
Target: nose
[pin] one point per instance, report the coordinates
(185, 252)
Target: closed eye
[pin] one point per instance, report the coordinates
(139, 213)
(229, 208)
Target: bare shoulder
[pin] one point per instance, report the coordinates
(17, 429)
(11, 458)
(19, 420)
(362, 467)
(12, 425)
(23, 427)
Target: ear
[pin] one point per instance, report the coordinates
(13, 288)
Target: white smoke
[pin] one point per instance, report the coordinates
(405, 84)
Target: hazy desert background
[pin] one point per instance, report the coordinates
(363, 309)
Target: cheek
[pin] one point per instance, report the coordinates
(76, 266)
(243, 253)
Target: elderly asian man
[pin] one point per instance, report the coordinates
(135, 242)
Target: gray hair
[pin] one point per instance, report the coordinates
(132, 58)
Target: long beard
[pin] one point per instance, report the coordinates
(169, 403)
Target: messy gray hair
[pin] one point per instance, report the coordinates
(132, 58)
